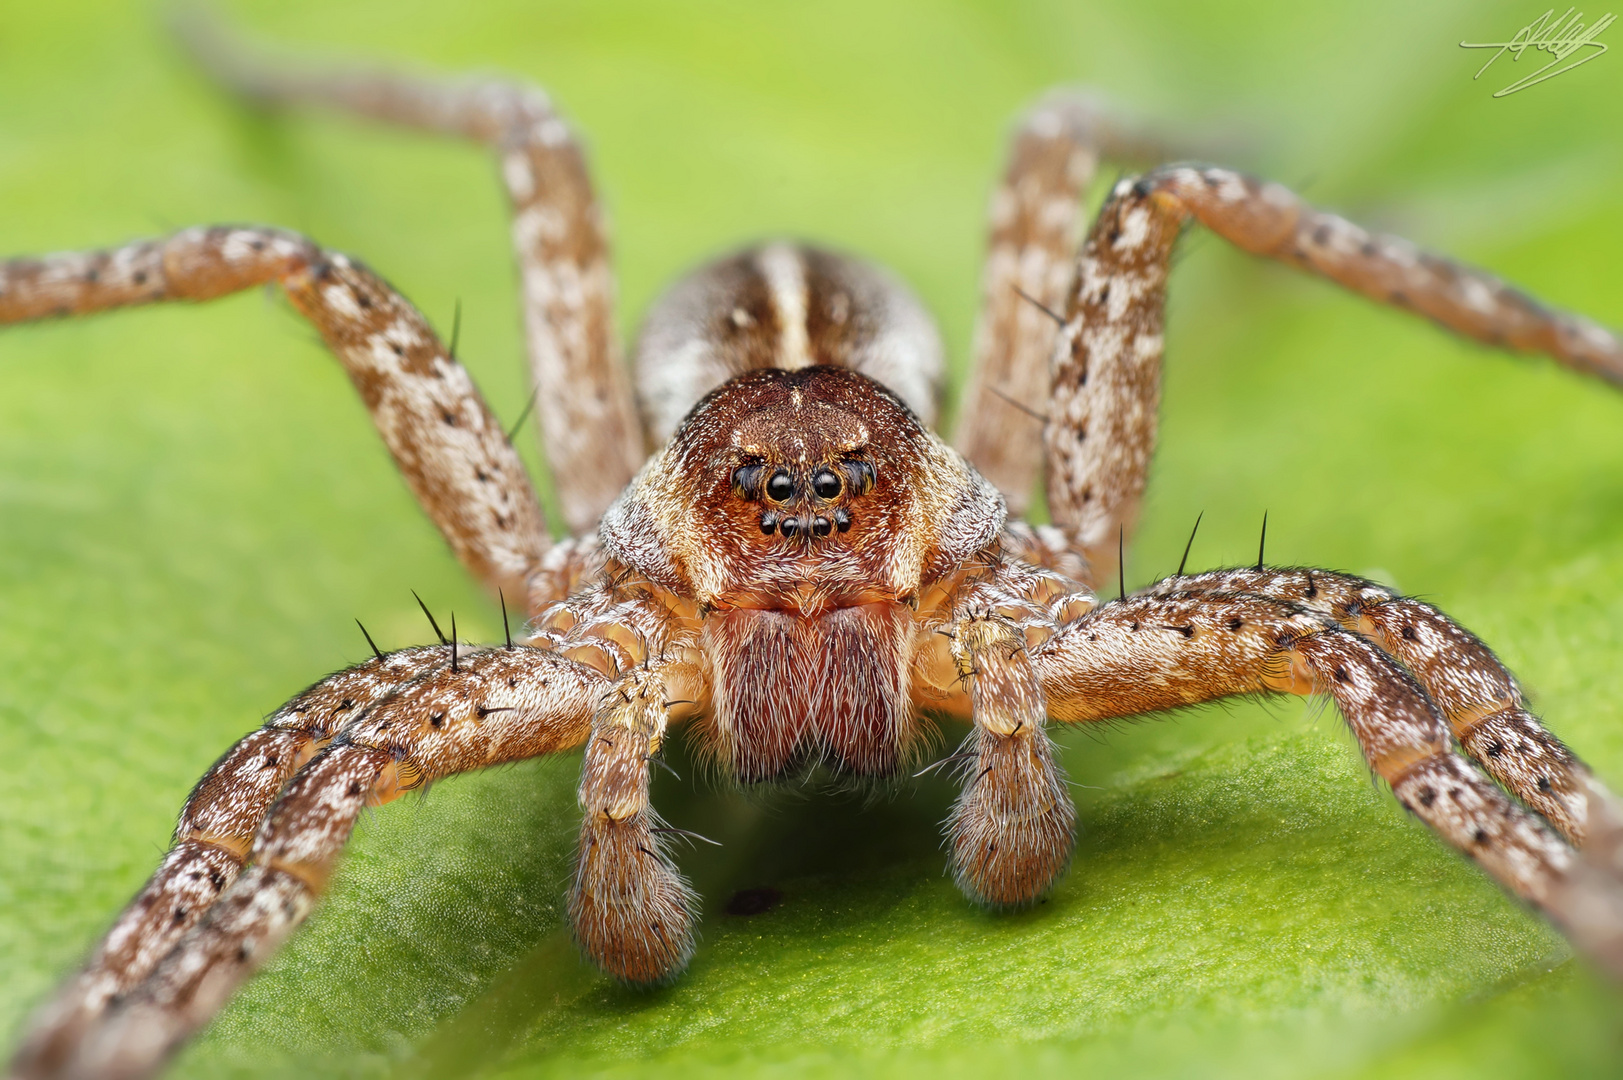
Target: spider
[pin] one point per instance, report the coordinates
(802, 574)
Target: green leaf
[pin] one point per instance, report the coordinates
(193, 508)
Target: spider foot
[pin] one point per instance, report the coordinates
(1013, 828)
(632, 911)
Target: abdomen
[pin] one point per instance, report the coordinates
(788, 306)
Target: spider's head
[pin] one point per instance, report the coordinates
(811, 488)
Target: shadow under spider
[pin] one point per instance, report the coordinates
(502, 852)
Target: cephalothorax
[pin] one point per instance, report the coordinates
(803, 574)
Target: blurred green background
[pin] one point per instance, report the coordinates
(193, 508)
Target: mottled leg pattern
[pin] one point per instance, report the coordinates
(447, 443)
(1105, 390)
(1106, 377)
(1267, 219)
(1013, 828)
(590, 431)
(1035, 219)
(1478, 696)
(1035, 225)
(632, 912)
(1156, 651)
(487, 707)
(1049, 547)
(212, 841)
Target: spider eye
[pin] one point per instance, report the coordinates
(842, 520)
(747, 481)
(780, 488)
(859, 475)
(789, 527)
(826, 484)
(822, 526)
(769, 523)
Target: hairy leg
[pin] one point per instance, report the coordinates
(632, 912)
(1012, 830)
(483, 708)
(211, 844)
(1480, 699)
(1149, 652)
(1036, 216)
(590, 433)
(566, 567)
(447, 443)
(1106, 379)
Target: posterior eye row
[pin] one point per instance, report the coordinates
(780, 487)
(826, 482)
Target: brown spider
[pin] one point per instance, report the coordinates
(803, 572)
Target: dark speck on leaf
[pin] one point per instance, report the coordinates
(754, 901)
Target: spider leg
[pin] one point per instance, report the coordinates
(1012, 830)
(211, 844)
(1150, 652)
(447, 443)
(1480, 699)
(1036, 216)
(1106, 377)
(631, 910)
(566, 567)
(590, 432)
(491, 706)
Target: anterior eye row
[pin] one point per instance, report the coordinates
(819, 525)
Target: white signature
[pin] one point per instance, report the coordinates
(1560, 38)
